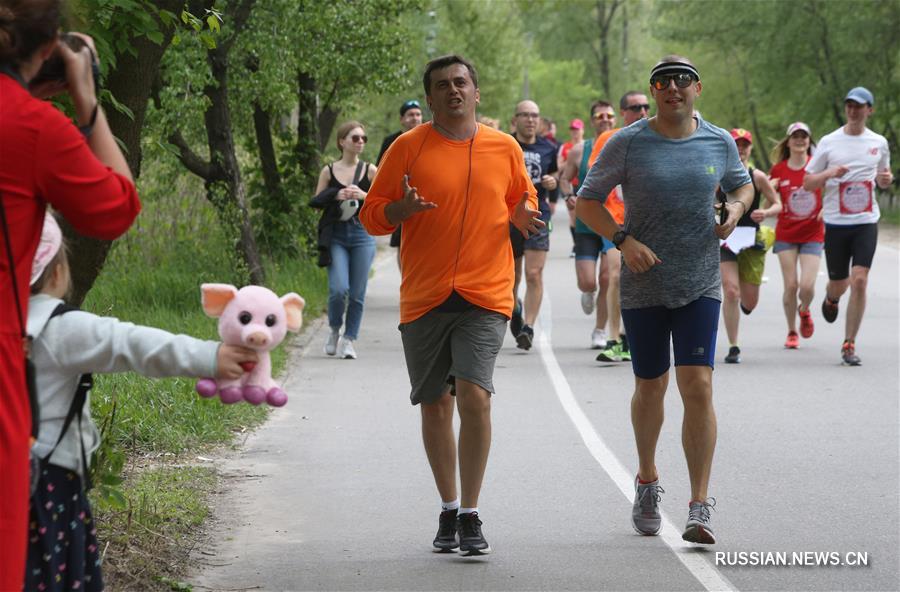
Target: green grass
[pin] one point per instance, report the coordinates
(146, 545)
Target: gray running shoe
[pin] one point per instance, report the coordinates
(698, 529)
(332, 342)
(645, 516)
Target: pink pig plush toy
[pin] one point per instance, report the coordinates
(256, 318)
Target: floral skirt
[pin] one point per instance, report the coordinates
(62, 539)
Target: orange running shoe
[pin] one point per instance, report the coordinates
(793, 340)
(807, 327)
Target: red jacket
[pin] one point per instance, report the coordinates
(43, 159)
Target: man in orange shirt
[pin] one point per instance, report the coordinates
(457, 277)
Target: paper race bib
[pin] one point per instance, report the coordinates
(856, 197)
(801, 203)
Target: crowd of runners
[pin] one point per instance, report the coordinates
(667, 222)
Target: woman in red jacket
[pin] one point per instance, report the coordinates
(44, 159)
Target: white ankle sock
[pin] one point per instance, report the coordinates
(467, 510)
(454, 505)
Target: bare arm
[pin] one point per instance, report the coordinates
(813, 181)
(322, 183)
(773, 199)
(738, 203)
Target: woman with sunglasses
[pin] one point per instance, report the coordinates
(800, 232)
(352, 248)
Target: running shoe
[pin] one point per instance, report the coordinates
(734, 355)
(445, 539)
(332, 342)
(829, 309)
(698, 529)
(598, 339)
(807, 327)
(614, 352)
(345, 349)
(516, 321)
(471, 539)
(645, 516)
(588, 299)
(525, 338)
(848, 354)
(793, 340)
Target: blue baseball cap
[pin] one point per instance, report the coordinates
(860, 95)
(411, 104)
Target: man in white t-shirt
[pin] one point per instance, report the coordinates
(848, 163)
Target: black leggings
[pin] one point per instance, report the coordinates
(843, 243)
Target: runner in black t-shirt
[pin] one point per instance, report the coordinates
(410, 117)
(540, 160)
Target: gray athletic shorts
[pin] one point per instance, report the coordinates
(442, 346)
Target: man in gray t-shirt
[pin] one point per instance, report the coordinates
(669, 167)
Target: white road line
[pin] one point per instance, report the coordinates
(708, 576)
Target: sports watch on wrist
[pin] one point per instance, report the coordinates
(619, 237)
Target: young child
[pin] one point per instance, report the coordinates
(62, 550)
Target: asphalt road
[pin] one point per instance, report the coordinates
(334, 492)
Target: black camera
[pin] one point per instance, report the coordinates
(54, 69)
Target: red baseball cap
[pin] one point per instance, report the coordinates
(740, 133)
(576, 124)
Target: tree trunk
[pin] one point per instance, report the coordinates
(606, 10)
(130, 85)
(262, 125)
(306, 149)
(225, 186)
(327, 119)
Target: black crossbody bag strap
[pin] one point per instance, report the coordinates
(85, 383)
(29, 367)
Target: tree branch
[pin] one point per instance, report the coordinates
(189, 158)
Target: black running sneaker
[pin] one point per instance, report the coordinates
(471, 540)
(516, 321)
(734, 355)
(829, 309)
(445, 539)
(525, 338)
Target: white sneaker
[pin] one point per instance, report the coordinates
(332, 342)
(345, 349)
(587, 302)
(598, 339)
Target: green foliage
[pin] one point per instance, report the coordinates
(473, 29)
(791, 60)
(557, 84)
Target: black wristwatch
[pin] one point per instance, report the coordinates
(619, 237)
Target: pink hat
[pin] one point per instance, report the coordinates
(576, 124)
(51, 241)
(798, 125)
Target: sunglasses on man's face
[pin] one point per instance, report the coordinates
(604, 116)
(638, 108)
(358, 138)
(662, 82)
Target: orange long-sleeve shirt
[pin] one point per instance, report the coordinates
(463, 244)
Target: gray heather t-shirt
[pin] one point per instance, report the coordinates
(668, 187)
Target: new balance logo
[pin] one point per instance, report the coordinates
(698, 351)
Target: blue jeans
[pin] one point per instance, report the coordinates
(352, 252)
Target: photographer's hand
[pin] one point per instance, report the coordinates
(80, 77)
